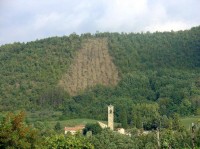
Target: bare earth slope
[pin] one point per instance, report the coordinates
(93, 65)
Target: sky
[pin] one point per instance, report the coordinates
(28, 20)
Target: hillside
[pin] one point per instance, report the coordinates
(79, 75)
(30, 72)
(92, 65)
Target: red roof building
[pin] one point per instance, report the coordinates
(74, 130)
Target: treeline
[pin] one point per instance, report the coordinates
(154, 68)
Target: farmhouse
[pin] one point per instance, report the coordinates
(74, 130)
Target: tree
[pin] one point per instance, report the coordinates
(139, 123)
(14, 133)
(176, 124)
(67, 142)
(146, 115)
(123, 117)
(108, 139)
(94, 128)
(165, 122)
(57, 127)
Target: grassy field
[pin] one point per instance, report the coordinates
(187, 121)
(73, 122)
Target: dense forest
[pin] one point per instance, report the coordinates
(158, 73)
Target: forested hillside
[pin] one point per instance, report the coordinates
(92, 65)
(159, 71)
(29, 72)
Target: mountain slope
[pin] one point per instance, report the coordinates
(92, 65)
(79, 75)
(30, 71)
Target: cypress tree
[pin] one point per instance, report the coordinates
(123, 117)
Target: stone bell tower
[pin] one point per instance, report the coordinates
(111, 117)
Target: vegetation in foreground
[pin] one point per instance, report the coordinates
(15, 133)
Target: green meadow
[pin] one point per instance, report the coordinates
(187, 121)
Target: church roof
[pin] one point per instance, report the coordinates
(76, 128)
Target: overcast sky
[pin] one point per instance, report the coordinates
(27, 20)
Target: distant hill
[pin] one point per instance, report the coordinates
(80, 75)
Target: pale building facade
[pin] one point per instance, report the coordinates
(111, 117)
(74, 130)
(102, 125)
